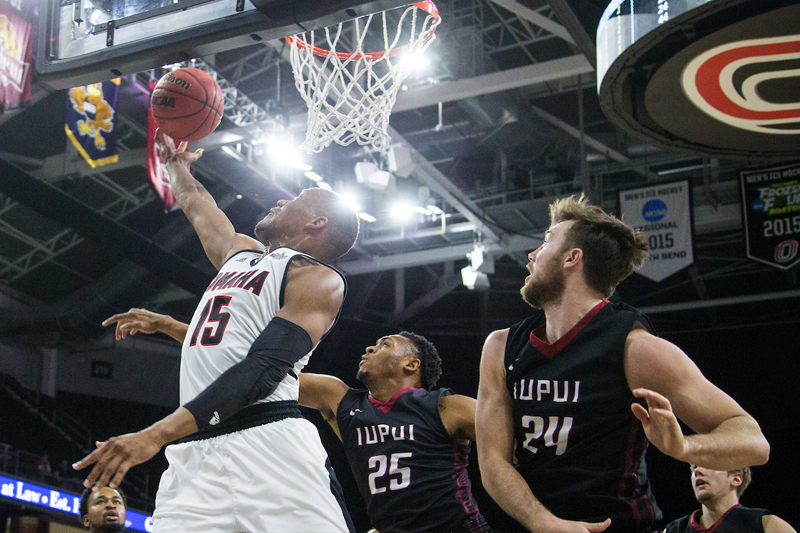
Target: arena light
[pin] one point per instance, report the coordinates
(401, 211)
(350, 201)
(313, 176)
(366, 217)
(283, 154)
(474, 281)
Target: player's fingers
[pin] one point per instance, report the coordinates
(602, 526)
(653, 398)
(121, 471)
(106, 473)
(640, 413)
(86, 461)
(112, 319)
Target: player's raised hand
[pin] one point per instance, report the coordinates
(169, 152)
(113, 458)
(134, 321)
(660, 424)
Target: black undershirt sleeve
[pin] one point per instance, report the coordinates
(271, 357)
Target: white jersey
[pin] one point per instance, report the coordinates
(234, 310)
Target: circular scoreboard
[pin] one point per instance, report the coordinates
(715, 77)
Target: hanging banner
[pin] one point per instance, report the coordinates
(664, 213)
(155, 168)
(16, 48)
(90, 121)
(771, 214)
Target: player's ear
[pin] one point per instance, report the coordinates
(85, 520)
(573, 257)
(318, 224)
(737, 479)
(412, 364)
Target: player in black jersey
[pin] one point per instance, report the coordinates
(563, 385)
(406, 443)
(719, 491)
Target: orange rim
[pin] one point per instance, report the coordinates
(427, 6)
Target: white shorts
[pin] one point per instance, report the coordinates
(266, 479)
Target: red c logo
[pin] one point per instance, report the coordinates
(708, 82)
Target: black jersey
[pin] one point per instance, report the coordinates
(411, 475)
(579, 446)
(737, 519)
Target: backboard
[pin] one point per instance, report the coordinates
(86, 41)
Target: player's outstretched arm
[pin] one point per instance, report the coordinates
(312, 298)
(773, 524)
(113, 458)
(136, 320)
(458, 416)
(216, 232)
(495, 440)
(674, 388)
(323, 393)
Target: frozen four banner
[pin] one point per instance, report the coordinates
(771, 214)
(664, 213)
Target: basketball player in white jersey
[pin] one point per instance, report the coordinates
(252, 462)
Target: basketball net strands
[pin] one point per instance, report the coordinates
(350, 93)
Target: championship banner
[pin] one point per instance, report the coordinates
(771, 214)
(155, 168)
(16, 48)
(664, 213)
(90, 121)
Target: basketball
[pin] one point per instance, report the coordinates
(187, 104)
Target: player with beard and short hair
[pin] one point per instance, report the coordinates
(562, 386)
(103, 511)
(719, 492)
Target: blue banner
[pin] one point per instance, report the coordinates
(65, 502)
(90, 121)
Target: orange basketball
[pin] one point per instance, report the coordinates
(187, 104)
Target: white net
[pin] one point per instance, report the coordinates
(350, 93)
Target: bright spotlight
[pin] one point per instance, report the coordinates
(401, 211)
(350, 201)
(415, 61)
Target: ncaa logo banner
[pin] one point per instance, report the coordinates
(771, 215)
(664, 213)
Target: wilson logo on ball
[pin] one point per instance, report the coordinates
(729, 83)
(180, 82)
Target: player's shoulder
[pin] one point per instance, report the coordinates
(680, 525)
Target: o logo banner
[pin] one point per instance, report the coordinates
(786, 251)
(723, 83)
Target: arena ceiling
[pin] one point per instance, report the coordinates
(503, 120)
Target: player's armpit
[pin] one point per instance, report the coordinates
(323, 393)
(458, 416)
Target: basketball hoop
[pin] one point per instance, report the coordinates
(350, 94)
